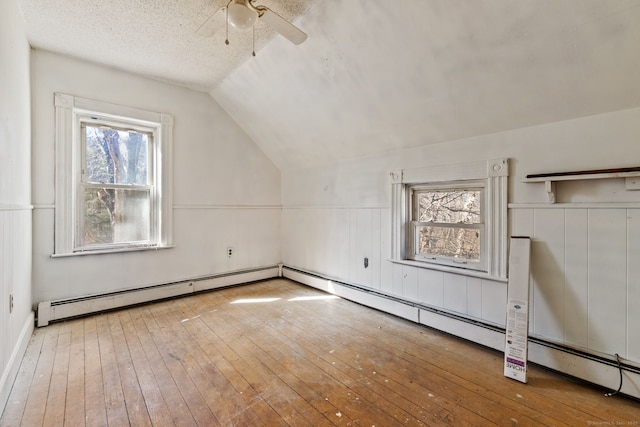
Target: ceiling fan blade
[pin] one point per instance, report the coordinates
(282, 26)
(213, 24)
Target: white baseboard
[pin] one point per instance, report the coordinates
(476, 332)
(49, 311)
(594, 368)
(387, 305)
(11, 370)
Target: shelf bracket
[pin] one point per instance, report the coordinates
(550, 188)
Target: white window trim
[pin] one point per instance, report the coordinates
(496, 174)
(67, 157)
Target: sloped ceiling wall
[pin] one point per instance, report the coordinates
(375, 76)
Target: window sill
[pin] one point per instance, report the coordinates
(112, 251)
(449, 269)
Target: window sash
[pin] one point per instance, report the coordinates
(147, 225)
(413, 239)
(134, 225)
(419, 191)
(124, 126)
(416, 254)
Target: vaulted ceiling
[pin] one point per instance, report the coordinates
(373, 75)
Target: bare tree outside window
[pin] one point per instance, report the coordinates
(447, 223)
(115, 190)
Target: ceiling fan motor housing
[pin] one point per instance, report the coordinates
(241, 14)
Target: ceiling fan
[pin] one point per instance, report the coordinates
(243, 14)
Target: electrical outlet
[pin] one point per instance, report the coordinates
(229, 252)
(10, 303)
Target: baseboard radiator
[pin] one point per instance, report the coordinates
(597, 369)
(49, 311)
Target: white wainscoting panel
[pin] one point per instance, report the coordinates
(585, 275)
(343, 227)
(548, 271)
(633, 284)
(455, 293)
(411, 283)
(576, 282)
(333, 242)
(431, 287)
(607, 269)
(494, 301)
(16, 319)
(386, 268)
(474, 297)
(363, 245)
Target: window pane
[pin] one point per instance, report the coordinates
(116, 156)
(115, 216)
(451, 242)
(449, 206)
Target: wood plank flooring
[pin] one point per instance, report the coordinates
(277, 353)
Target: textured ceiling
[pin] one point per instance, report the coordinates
(374, 75)
(151, 37)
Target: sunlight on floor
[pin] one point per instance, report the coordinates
(314, 298)
(253, 300)
(308, 298)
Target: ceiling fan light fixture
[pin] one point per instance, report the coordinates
(240, 16)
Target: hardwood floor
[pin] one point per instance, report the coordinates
(278, 353)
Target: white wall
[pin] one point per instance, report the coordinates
(15, 195)
(226, 191)
(585, 283)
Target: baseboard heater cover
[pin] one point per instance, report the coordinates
(49, 311)
(370, 299)
(590, 367)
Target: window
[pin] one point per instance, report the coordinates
(112, 177)
(452, 217)
(447, 224)
(115, 197)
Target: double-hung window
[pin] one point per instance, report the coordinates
(113, 177)
(451, 217)
(447, 224)
(116, 191)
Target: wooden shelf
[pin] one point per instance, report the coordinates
(631, 176)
